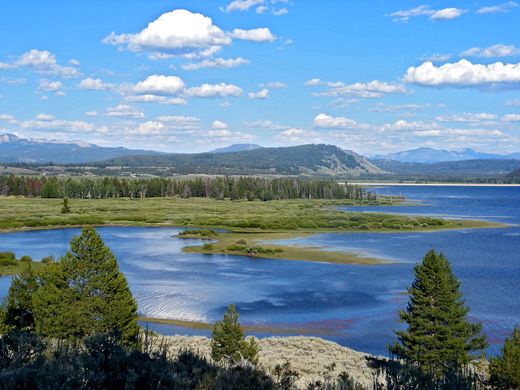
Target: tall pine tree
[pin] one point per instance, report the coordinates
(85, 293)
(438, 333)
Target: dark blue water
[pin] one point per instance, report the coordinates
(353, 305)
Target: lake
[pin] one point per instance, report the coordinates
(353, 305)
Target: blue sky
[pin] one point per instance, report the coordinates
(190, 76)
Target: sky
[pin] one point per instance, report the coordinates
(370, 76)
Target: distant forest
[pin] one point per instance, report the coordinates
(218, 188)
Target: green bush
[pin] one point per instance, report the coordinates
(7, 258)
(207, 247)
(25, 259)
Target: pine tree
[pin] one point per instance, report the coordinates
(504, 370)
(17, 311)
(227, 339)
(438, 333)
(84, 293)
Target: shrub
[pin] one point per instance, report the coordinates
(207, 247)
(7, 258)
(25, 259)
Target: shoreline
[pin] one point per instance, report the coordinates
(433, 184)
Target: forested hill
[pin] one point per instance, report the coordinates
(322, 160)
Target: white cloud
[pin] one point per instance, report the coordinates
(342, 103)
(94, 84)
(214, 90)
(21, 80)
(466, 117)
(219, 125)
(264, 125)
(402, 125)
(497, 8)
(124, 111)
(147, 128)
(513, 103)
(324, 121)
(242, 5)
(159, 85)
(73, 62)
(6, 117)
(45, 117)
(216, 63)
(219, 133)
(256, 35)
(55, 124)
(92, 113)
(373, 89)
(463, 73)
(436, 57)
(448, 13)
(298, 136)
(511, 118)
(276, 84)
(43, 62)
(313, 82)
(263, 94)
(261, 9)
(155, 99)
(442, 14)
(176, 32)
(281, 11)
(499, 50)
(398, 107)
(50, 86)
(225, 104)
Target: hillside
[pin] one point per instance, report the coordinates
(15, 149)
(321, 160)
(236, 148)
(465, 168)
(429, 155)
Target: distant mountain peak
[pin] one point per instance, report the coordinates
(236, 148)
(8, 138)
(429, 155)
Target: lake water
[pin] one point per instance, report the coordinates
(353, 305)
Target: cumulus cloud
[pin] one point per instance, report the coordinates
(499, 50)
(261, 9)
(324, 121)
(45, 117)
(463, 74)
(219, 125)
(402, 125)
(403, 16)
(511, 118)
(505, 7)
(281, 11)
(298, 136)
(256, 35)
(276, 84)
(94, 84)
(55, 124)
(176, 32)
(214, 90)
(50, 86)
(242, 5)
(216, 63)
(43, 62)
(264, 125)
(313, 82)
(263, 94)
(373, 89)
(124, 111)
(159, 85)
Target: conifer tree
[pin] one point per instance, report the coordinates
(438, 333)
(17, 311)
(227, 339)
(84, 293)
(504, 370)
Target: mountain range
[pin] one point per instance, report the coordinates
(429, 155)
(16, 149)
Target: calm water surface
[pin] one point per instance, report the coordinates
(353, 305)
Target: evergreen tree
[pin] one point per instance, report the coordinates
(227, 339)
(505, 370)
(85, 293)
(438, 333)
(16, 312)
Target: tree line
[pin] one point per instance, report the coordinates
(219, 187)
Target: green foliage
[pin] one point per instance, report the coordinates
(85, 293)
(48, 259)
(207, 247)
(25, 259)
(228, 341)
(438, 333)
(17, 311)
(7, 258)
(504, 370)
(65, 208)
(199, 232)
(51, 189)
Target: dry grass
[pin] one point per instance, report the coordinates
(309, 356)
